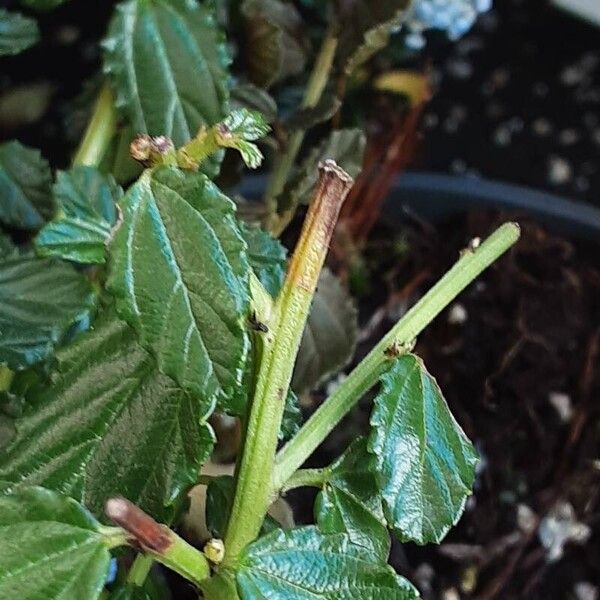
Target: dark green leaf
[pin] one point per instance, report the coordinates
(168, 64)
(7, 247)
(366, 28)
(42, 5)
(303, 564)
(86, 215)
(292, 417)
(345, 146)
(267, 257)
(110, 424)
(24, 187)
(180, 274)
(425, 463)
(247, 95)
(219, 499)
(275, 45)
(17, 32)
(40, 301)
(330, 335)
(50, 547)
(306, 118)
(350, 502)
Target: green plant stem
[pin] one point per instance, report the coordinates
(367, 373)
(139, 569)
(255, 468)
(6, 378)
(100, 130)
(306, 478)
(314, 91)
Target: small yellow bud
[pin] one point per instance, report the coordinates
(214, 550)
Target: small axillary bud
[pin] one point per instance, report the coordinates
(223, 133)
(141, 147)
(151, 151)
(214, 550)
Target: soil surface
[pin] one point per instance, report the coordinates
(517, 359)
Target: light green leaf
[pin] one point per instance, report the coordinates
(303, 564)
(180, 275)
(86, 215)
(425, 463)
(17, 32)
(366, 28)
(267, 257)
(51, 547)
(350, 502)
(40, 301)
(238, 130)
(275, 45)
(25, 200)
(168, 64)
(330, 335)
(110, 424)
(345, 146)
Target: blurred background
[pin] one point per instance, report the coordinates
(451, 123)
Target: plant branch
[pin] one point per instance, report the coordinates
(314, 91)
(306, 478)
(255, 468)
(158, 543)
(471, 263)
(100, 130)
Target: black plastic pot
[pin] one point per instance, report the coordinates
(437, 197)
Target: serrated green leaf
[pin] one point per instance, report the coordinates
(50, 547)
(219, 500)
(25, 199)
(425, 463)
(345, 146)
(40, 301)
(87, 212)
(247, 95)
(180, 273)
(238, 130)
(168, 64)
(17, 33)
(110, 424)
(267, 257)
(275, 46)
(366, 28)
(304, 564)
(329, 338)
(350, 502)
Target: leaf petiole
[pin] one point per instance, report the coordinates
(100, 130)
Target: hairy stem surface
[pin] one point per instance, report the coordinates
(254, 472)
